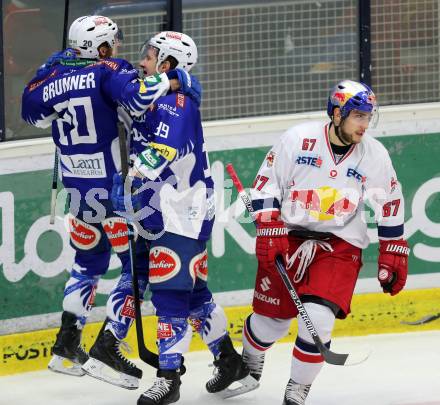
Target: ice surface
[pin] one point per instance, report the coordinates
(403, 369)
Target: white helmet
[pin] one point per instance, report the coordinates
(88, 33)
(175, 44)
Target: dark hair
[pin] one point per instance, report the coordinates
(173, 61)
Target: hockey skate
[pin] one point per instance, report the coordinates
(295, 394)
(230, 368)
(165, 390)
(108, 364)
(255, 363)
(68, 354)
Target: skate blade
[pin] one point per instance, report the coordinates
(97, 369)
(62, 365)
(246, 384)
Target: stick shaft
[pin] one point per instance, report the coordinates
(146, 355)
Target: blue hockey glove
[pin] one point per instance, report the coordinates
(54, 59)
(57, 57)
(121, 202)
(189, 85)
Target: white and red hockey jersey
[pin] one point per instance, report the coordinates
(302, 178)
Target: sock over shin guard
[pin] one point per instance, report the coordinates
(120, 305)
(307, 361)
(261, 332)
(209, 321)
(173, 339)
(79, 295)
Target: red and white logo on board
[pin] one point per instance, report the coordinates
(164, 264)
(83, 235)
(164, 330)
(117, 233)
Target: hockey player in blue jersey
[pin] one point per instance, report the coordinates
(177, 203)
(79, 94)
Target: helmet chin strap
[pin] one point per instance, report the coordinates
(338, 134)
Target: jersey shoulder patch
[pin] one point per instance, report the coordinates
(168, 152)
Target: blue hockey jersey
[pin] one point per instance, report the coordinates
(178, 195)
(80, 99)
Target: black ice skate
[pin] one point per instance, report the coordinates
(108, 364)
(295, 394)
(165, 390)
(67, 353)
(230, 368)
(255, 363)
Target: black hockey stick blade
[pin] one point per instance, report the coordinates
(422, 321)
(339, 359)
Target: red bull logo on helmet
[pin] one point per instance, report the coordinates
(341, 98)
(324, 203)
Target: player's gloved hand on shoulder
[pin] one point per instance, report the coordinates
(54, 59)
(121, 202)
(189, 85)
(57, 57)
(272, 241)
(393, 265)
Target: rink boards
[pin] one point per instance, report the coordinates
(372, 313)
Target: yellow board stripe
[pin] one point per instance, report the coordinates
(371, 314)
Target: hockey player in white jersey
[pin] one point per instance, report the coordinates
(309, 198)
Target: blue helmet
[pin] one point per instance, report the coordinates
(349, 95)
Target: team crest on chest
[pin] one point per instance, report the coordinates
(333, 174)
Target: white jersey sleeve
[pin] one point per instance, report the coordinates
(272, 178)
(385, 197)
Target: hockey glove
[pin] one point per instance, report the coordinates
(54, 59)
(393, 265)
(189, 85)
(125, 204)
(272, 241)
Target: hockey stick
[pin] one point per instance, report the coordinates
(329, 356)
(54, 190)
(422, 321)
(145, 355)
